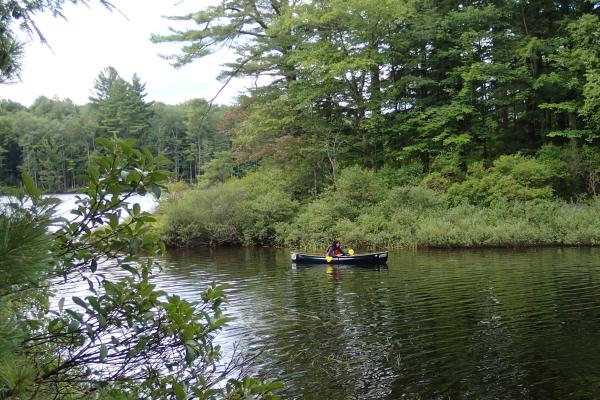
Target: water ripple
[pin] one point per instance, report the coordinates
(433, 325)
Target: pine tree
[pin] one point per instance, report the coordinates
(121, 106)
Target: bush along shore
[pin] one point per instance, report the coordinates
(517, 201)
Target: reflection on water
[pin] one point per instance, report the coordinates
(433, 325)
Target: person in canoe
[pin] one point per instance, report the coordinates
(334, 250)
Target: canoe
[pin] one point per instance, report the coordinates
(356, 259)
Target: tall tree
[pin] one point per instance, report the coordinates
(168, 133)
(249, 27)
(121, 106)
(204, 138)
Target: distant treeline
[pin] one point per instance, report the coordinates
(54, 139)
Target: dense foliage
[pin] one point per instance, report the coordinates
(381, 210)
(442, 123)
(238, 211)
(379, 83)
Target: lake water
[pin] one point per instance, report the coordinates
(433, 325)
(493, 324)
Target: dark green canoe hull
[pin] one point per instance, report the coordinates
(357, 259)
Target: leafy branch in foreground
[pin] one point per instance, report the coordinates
(126, 339)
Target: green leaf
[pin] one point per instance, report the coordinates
(29, 185)
(103, 352)
(188, 333)
(107, 144)
(55, 325)
(94, 172)
(133, 177)
(127, 149)
(130, 269)
(148, 154)
(73, 326)
(90, 331)
(156, 190)
(104, 162)
(94, 303)
(74, 314)
(79, 301)
(179, 391)
(134, 246)
(270, 386)
(113, 220)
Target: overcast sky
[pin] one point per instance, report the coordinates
(94, 38)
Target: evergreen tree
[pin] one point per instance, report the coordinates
(122, 110)
(250, 27)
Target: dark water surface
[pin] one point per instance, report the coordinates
(491, 324)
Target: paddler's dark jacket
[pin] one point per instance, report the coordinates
(335, 251)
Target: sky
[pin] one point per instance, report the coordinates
(94, 38)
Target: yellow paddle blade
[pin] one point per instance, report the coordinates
(351, 252)
(328, 258)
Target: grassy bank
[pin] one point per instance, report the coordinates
(370, 210)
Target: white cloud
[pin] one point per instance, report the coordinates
(94, 38)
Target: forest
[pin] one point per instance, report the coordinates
(374, 119)
(402, 124)
(54, 140)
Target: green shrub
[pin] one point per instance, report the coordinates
(511, 178)
(447, 164)
(590, 169)
(176, 190)
(415, 197)
(444, 171)
(314, 225)
(557, 160)
(239, 211)
(575, 169)
(525, 170)
(333, 214)
(219, 169)
(358, 187)
(409, 174)
(436, 181)
(509, 204)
